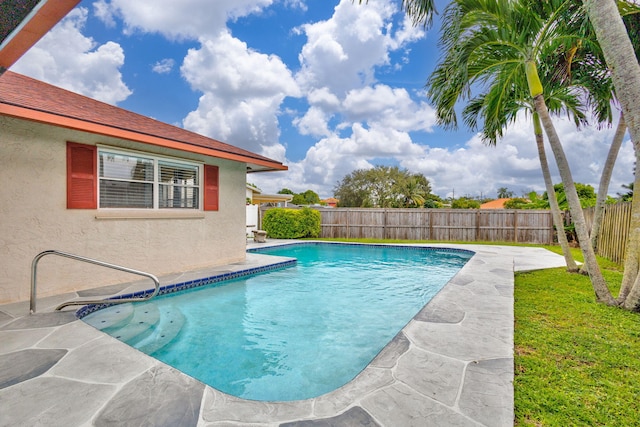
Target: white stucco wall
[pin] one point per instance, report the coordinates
(34, 218)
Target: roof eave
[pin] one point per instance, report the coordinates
(27, 33)
(256, 164)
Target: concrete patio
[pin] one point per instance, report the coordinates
(451, 365)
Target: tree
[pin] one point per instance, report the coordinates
(504, 193)
(432, 201)
(465, 203)
(413, 191)
(382, 186)
(517, 203)
(479, 50)
(632, 23)
(628, 196)
(286, 191)
(618, 51)
(308, 197)
(586, 194)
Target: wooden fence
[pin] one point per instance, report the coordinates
(614, 231)
(469, 225)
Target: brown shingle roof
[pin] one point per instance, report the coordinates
(30, 99)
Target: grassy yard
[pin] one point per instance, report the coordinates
(576, 362)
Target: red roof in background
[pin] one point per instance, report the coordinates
(30, 99)
(495, 204)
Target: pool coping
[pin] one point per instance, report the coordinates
(452, 364)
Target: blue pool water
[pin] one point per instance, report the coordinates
(293, 333)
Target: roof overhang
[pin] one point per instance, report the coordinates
(253, 164)
(272, 198)
(24, 22)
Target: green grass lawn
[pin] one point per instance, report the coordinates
(577, 362)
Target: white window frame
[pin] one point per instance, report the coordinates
(156, 159)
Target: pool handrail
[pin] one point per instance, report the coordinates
(34, 267)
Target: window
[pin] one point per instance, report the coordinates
(136, 181)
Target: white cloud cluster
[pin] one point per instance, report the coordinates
(331, 96)
(65, 57)
(186, 19)
(342, 52)
(242, 92)
(477, 169)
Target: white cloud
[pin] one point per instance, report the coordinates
(186, 19)
(243, 90)
(473, 169)
(314, 122)
(164, 66)
(342, 52)
(102, 11)
(66, 58)
(388, 107)
(357, 120)
(513, 163)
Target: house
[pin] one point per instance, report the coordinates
(495, 204)
(331, 202)
(91, 179)
(255, 198)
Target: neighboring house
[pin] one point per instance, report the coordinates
(95, 180)
(255, 198)
(331, 202)
(495, 204)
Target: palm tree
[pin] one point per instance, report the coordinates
(412, 192)
(486, 44)
(619, 53)
(632, 23)
(612, 36)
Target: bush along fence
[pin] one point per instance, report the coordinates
(283, 223)
(614, 231)
(496, 225)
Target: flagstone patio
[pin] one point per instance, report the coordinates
(452, 365)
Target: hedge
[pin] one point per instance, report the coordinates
(283, 223)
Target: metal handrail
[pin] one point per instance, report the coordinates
(34, 266)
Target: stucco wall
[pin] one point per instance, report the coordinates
(34, 218)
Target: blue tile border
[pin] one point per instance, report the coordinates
(265, 250)
(176, 287)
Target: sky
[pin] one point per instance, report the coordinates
(324, 86)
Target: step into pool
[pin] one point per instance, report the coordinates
(293, 333)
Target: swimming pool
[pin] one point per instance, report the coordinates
(293, 333)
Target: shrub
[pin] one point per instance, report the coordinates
(283, 223)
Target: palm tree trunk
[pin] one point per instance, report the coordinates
(605, 179)
(630, 288)
(597, 280)
(621, 59)
(551, 193)
(625, 70)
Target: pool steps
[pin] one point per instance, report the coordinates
(143, 327)
(168, 327)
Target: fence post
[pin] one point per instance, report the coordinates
(348, 217)
(384, 223)
(515, 226)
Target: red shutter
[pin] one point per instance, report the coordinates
(211, 189)
(82, 180)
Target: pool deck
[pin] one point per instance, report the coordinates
(451, 365)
